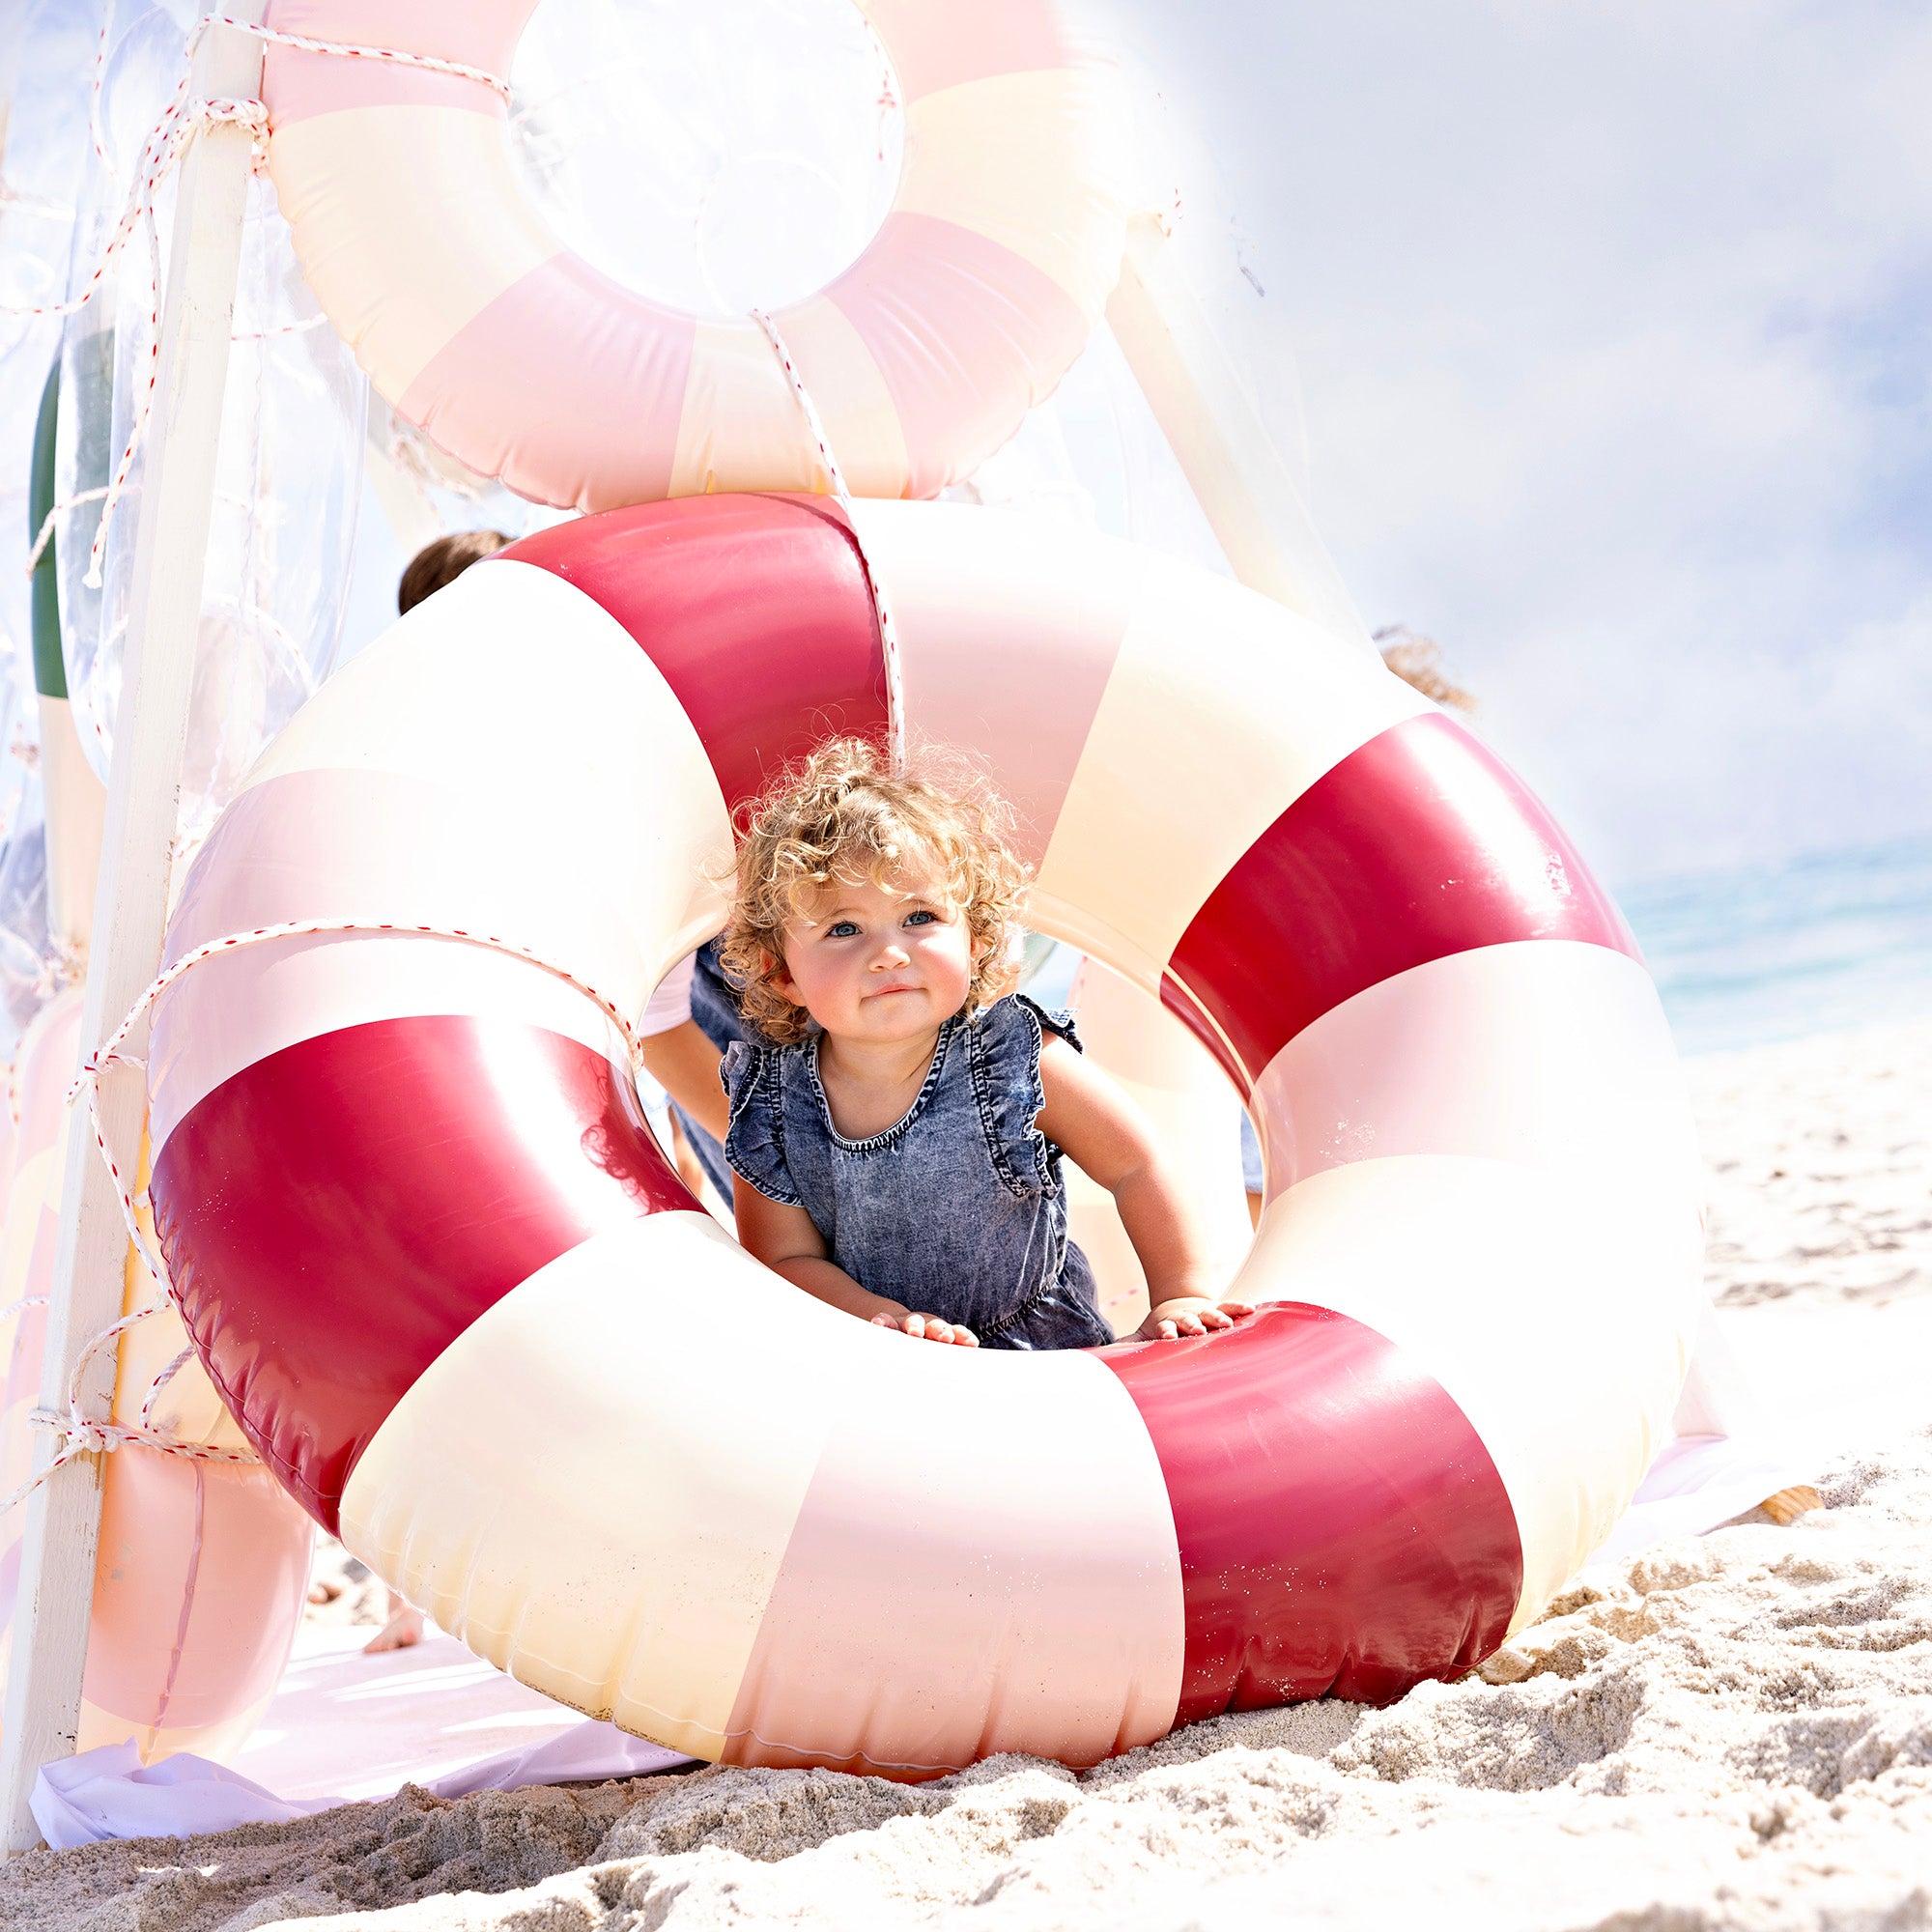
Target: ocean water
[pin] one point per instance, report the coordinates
(1774, 951)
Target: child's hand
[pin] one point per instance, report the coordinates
(928, 1329)
(1189, 1315)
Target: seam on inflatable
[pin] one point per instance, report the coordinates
(1205, 1012)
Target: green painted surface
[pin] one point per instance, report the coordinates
(49, 667)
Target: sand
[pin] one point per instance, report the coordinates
(1733, 1732)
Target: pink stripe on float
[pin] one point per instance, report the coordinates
(985, 1562)
(334, 1216)
(1419, 844)
(933, 46)
(1343, 1531)
(374, 844)
(567, 386)
(961, 329)
(481, 34)
(981, 609)
(1548, 1053)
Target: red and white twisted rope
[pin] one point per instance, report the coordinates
(84, 1434)
(162, 151)
(888, 637)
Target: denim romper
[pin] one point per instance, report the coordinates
(958, 1209)
(714, 1007)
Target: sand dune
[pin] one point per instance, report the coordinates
(1734, 1733)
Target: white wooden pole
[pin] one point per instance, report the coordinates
(56, 1587)
(1224, 448)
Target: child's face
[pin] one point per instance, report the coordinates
(879, 963)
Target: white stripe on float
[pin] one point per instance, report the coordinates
(1222, 710)
(1556, 1308)
(1037, 162)
(409, 222)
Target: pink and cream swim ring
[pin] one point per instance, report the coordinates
(429, 1249)
(1003, 243)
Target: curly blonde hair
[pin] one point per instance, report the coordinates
(841, 813)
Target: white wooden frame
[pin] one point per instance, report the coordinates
(56, 1588)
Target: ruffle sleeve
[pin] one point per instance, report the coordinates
(755, 1140)
(1005, 1044)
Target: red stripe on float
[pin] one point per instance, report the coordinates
(1419, 844)
(1342, 1530)
(337, 1214)
(756, 609)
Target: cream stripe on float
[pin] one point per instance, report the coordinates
(849, 393)
(608, 1435)
(1009, 159)
(537, 693)
(458, 229)
(1220, 702)
(1483, 1053)
(741, 427)
(1556, 1309)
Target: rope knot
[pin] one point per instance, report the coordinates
(92, 1439)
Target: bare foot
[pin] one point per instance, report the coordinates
(1788, 1505)
(323, 1590)
(404, 1628)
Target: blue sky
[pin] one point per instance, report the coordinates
(1615, 362)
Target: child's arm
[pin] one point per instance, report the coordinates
(787, 1240)
(1099, 1128)
(685, 1065)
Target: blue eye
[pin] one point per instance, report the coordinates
(843, 928)
(919, 918)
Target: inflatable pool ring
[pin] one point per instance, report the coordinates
(203, 1567)
(1004, 240)
(1184, 1097)
(460, 1301)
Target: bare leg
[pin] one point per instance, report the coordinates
(403, 1628)
(688, 1170)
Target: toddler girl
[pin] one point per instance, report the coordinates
(898, 1142)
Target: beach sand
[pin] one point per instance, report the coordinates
(1735, 1732)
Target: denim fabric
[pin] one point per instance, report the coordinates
(714, 1006)
(958, 1209)
(1252, 1178)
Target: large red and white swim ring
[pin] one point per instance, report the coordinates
(458, 1299)
(1004, 240)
